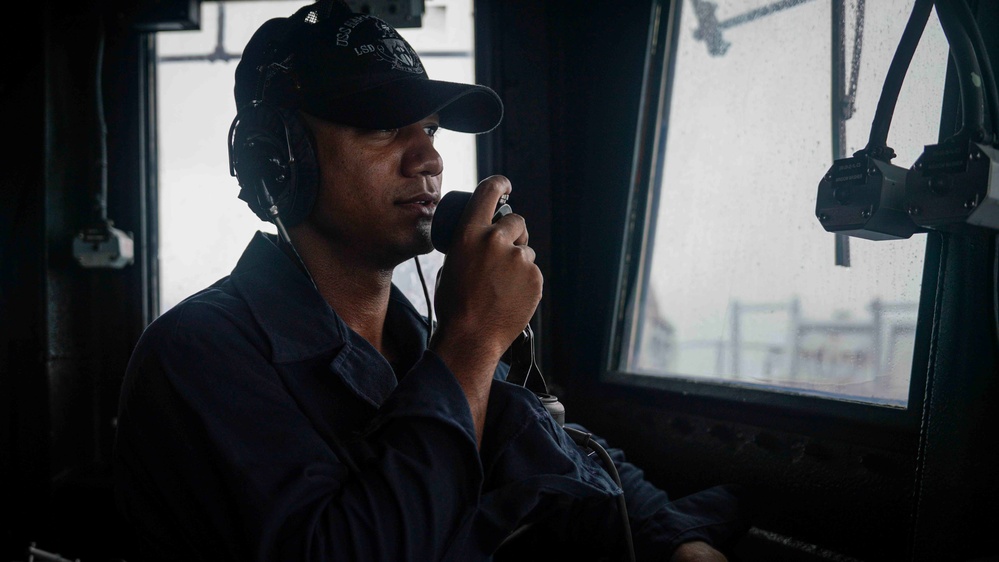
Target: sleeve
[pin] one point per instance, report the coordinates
(659, 525)
(536, 477)
(215, 461)
(716, 515)
(525, 453)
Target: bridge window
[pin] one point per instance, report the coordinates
(736, 282)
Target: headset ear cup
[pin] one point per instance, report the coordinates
(305, 169)
(255, 153)
(271, 143)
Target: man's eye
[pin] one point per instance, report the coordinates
(431, 130)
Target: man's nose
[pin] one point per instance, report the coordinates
(421, 156)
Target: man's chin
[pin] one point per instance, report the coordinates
(425, 249)
(425, 244)
(419, 247)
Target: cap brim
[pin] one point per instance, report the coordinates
(466, 108)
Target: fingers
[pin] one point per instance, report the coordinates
(523, 238)
(481, 210)
(513, 227)
(527, 252)
(482, 237)
(484, 200)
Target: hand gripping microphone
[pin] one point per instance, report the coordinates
(523, 363)
(522, 359)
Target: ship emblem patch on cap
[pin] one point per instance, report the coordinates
(400, 55)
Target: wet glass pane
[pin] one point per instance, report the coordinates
(738, 281)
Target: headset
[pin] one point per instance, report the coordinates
(271, 154)
(271, 150)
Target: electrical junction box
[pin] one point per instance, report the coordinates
(103, 246)
(986, 213)
(862, 196)
(953, 185)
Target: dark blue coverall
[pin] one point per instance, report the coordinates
(255, 425)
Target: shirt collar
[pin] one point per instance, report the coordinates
(409, 329)
(296, 319)
(298, 322)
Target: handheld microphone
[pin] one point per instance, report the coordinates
(448, 213)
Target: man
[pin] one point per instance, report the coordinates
(299, 410)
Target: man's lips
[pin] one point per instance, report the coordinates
(424, 203)
(426, 199)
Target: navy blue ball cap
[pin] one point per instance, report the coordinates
(354, 69)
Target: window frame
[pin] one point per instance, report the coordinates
(632, 284)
